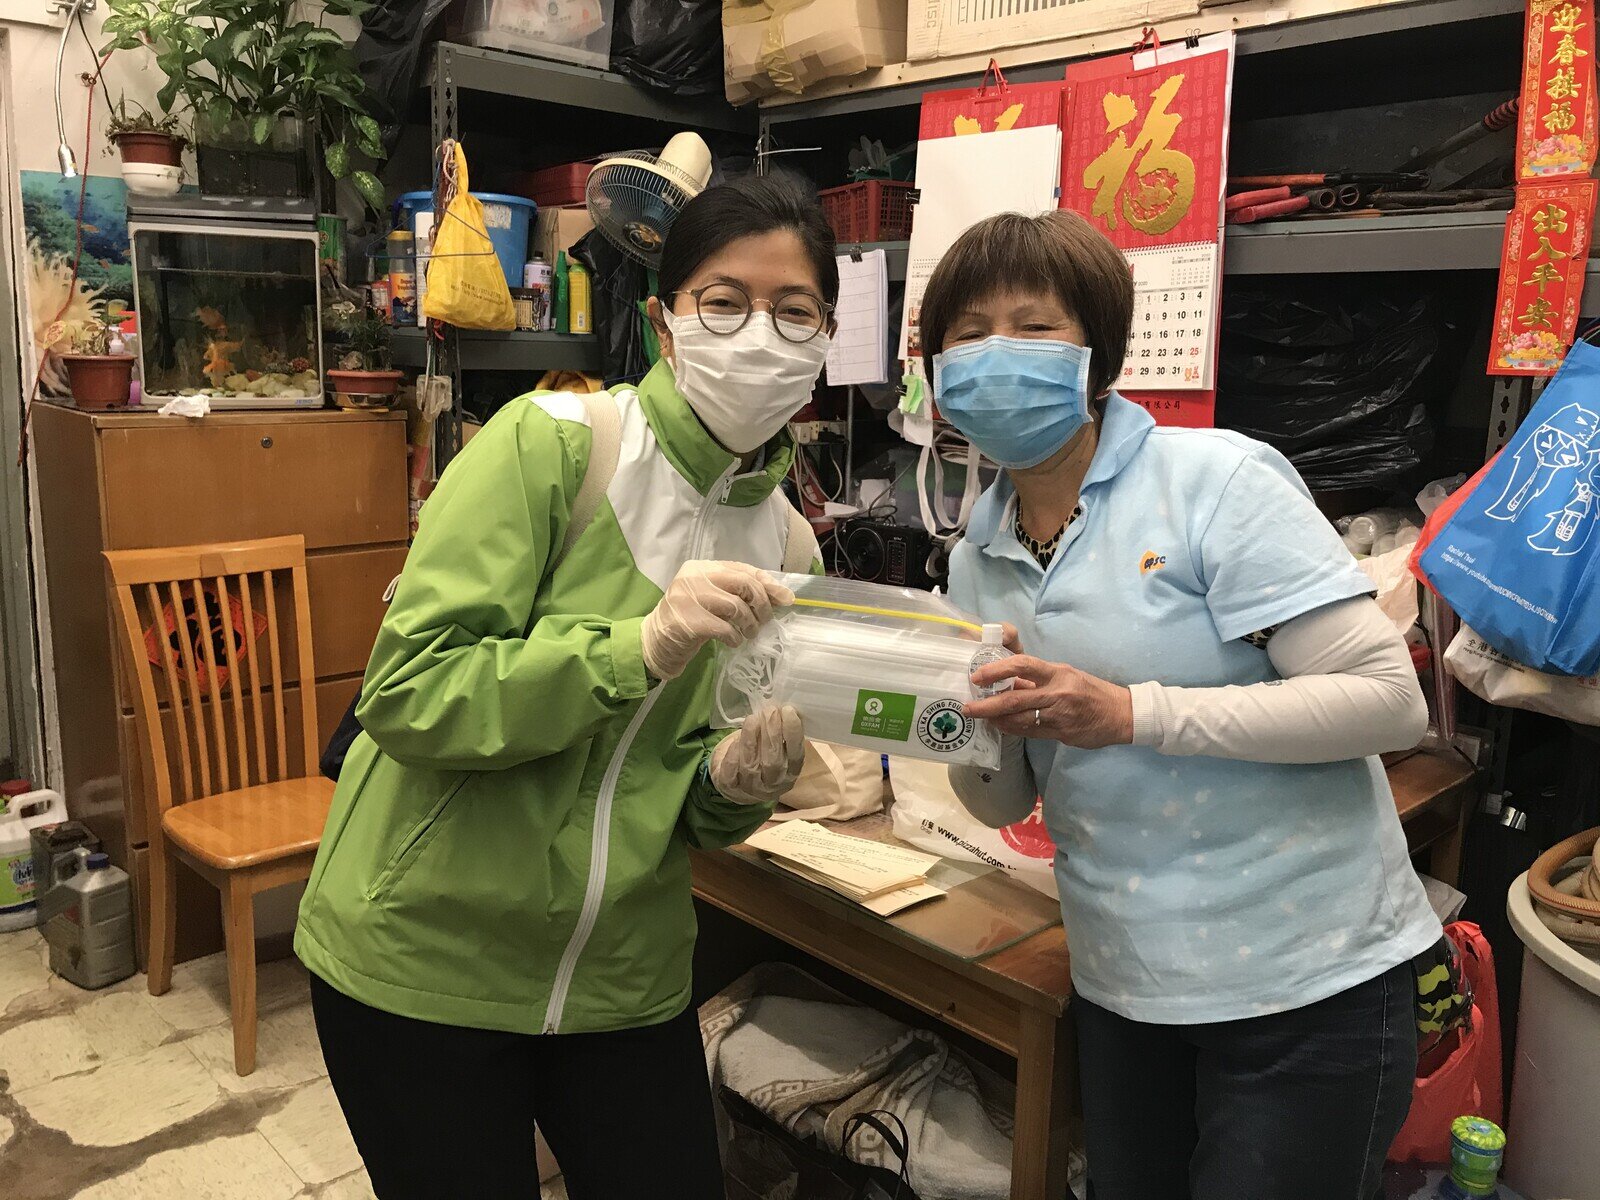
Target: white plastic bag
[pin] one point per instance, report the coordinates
(878, 668)
(1502, 680)
(930, 817)
(1391, 575)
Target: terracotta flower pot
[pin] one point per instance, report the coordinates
(363, 389)
(99, 380)
(161, 149)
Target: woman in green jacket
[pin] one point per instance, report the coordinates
(499, 925)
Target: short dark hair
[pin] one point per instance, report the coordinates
(1059, 253)
(748, 206)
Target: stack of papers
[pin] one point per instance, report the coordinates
(859, 352)
(882, 878)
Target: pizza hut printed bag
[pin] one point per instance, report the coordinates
(929, 816)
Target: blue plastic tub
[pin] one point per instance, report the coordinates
(509, 220)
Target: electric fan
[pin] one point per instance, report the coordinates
(633, 198)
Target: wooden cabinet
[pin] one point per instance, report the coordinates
(113, 481)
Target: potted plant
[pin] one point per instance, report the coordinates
(151, 148)
(266, 88)
(98, 379)
(359, 338)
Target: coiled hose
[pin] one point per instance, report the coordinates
(1568, 901)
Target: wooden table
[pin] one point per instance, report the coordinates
(1014, 999)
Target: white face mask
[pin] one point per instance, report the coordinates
(743, 386)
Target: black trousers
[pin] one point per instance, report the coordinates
(1298, 1105)
(441, 1112)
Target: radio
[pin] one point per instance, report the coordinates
(879, 552)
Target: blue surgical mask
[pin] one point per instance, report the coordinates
(1018, 400)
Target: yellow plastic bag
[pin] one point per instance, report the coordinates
(466, 286)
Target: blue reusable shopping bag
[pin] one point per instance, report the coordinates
(1520, 559)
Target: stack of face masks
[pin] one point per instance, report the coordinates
(881, 668)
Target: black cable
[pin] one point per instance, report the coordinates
(100, 69)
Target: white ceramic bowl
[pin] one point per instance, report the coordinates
(152, 179)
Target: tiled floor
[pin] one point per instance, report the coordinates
(120, 1095)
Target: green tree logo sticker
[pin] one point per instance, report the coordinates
(944, 727)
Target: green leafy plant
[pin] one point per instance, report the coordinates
(360, 333)
(129, 116)
(248, 64)
(86, 337)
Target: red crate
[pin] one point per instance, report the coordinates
(554, 187)
(875, 210)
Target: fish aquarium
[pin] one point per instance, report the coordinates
(229, 301)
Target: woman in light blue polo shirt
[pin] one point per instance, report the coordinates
(1207, 686)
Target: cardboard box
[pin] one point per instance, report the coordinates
(949, 28)
(560, 229)
(772, 45)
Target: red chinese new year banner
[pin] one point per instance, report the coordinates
(1556, 129)
(1144, 151)
(1541, 277)
(992, 108)
(1144, 156)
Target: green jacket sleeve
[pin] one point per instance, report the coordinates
(713, 821)
(457, 679)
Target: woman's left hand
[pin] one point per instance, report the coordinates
(1054, 700)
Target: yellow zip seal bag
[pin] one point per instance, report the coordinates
(867, 665)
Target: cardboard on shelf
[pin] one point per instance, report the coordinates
(561, 229)
(788, 45)
(950, 28)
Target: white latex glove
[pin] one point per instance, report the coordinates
(759, 762)
(707, 602)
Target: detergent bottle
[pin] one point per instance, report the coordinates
(19, 813)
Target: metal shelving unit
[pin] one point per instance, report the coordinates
(885, 88)
(457, 68)
(483, 350)
(574, 90)
(1397, 242)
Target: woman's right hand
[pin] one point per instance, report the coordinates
(707, 602)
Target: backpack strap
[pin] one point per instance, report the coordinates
(605, 445)
(800, 547)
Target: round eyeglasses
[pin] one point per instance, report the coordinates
(725, 308)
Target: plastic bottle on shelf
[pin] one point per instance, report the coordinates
(403, 277)
(536, 279)
(561, 297)
(580, 315)
(993, 649)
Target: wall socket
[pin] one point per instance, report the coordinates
(807, 432)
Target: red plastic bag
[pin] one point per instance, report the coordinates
(1467, 1081)
(1438, 518)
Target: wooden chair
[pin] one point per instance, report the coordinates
(237, 818)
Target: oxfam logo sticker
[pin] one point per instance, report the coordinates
(873, 707)
(943, 727)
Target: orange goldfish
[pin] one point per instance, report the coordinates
(211, 319)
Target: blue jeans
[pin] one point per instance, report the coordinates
(1297, 1105)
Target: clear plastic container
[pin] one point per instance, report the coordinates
(877, 667)
(576, 31)
(992, 650)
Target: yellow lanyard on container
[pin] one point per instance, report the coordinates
(802, 602)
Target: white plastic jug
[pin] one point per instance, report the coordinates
(17, 817)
